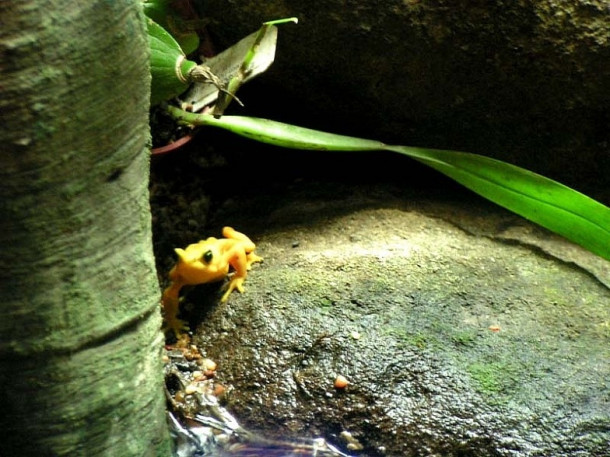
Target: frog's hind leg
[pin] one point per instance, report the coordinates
(248, 244)
(251, 258)
(230, 232)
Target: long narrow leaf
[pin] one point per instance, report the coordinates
(541, 200)
(278, 133)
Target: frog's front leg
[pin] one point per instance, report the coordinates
(237, 258)
(240, 259)
(171, 303)
(236, 282)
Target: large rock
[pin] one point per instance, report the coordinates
(462, 329)
(527, 82)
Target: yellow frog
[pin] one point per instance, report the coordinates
(208, 261)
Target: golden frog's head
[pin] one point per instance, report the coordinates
(201, 262)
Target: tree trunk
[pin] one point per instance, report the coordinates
(80, 366)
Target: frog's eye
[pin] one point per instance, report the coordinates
(207, 257)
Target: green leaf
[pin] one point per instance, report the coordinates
(546, 202)
(262, 49)
(162, 12)
(169, 67)
(541, 200)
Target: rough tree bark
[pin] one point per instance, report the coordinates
(80, 369)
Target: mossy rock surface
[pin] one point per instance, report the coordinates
(463, 329)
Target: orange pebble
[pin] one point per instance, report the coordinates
(219, 389)
(341, 382)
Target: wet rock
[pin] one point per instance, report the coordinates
(462, 329)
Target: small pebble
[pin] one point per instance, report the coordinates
(341, 382)
(208, 365)
(198, 375)
(190, 389)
